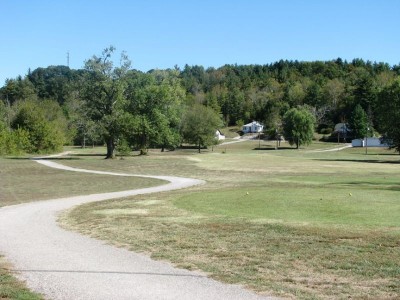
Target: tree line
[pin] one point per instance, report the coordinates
(128, 109)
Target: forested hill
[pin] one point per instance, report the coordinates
(264, 92)
(241, 93)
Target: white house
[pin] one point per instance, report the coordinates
(370, 142)
(253, 127)
(219, 136)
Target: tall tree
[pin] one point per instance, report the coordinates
(298, 126)
(199, 125)
(359, 122)
(389, 113)
(104, 95)
(155, 101)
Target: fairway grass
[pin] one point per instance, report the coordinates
(293, 223)
(24, 180)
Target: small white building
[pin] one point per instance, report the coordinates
(253, 127)
(219, 136)
(370, 142)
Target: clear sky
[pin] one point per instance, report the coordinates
(164, 33)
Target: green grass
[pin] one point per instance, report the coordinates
(10, 288)
(23, 180)
(315, 206)
(298, 233)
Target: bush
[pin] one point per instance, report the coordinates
(14, 142)
(326, 130)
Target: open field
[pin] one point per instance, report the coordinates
(23, 180)
(299, 224)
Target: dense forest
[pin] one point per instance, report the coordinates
(129, 109)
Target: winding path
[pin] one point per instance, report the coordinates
(66, 265)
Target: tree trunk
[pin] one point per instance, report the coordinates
(110, 148)
(199, 147)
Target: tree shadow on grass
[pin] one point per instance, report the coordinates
(273, 148)
(42, 158)
(369, 161)
(372, 185)
(87, 154)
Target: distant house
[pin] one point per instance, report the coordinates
(253, 127)
(370, 142)
(219, 136)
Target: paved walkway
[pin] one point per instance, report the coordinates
(66, 265)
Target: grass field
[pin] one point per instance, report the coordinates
(300, 224)
(23, 180)
(294, 223)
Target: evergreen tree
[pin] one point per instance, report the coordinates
(359, 122)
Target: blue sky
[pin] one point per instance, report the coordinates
(165, 33)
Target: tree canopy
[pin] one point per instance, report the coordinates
(298, 126)
(199, 126)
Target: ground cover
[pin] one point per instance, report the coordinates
(23, 180)
(10, 288)
(298, 224)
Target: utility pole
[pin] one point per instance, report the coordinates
(68, 59)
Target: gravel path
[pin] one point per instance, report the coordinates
(66, 265)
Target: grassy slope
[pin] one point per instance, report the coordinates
(313, 225)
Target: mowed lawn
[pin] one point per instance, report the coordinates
(294, 223)
(24, 180)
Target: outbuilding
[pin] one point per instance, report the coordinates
(370, 142)
(219, 136)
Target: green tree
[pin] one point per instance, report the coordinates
(298, 126)
(199, 125)
(155, 102)
(103, 95)
(44, 135)
(359, 122)
(389, 113)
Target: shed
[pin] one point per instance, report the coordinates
(219, 136)
(370, 142)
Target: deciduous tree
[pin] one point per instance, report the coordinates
(103, 95)
(199, 125)
(389, 113)
(298, 126)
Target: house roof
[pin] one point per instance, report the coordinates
(253, 123)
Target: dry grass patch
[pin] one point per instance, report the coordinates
(23, 180)
(291, 261)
